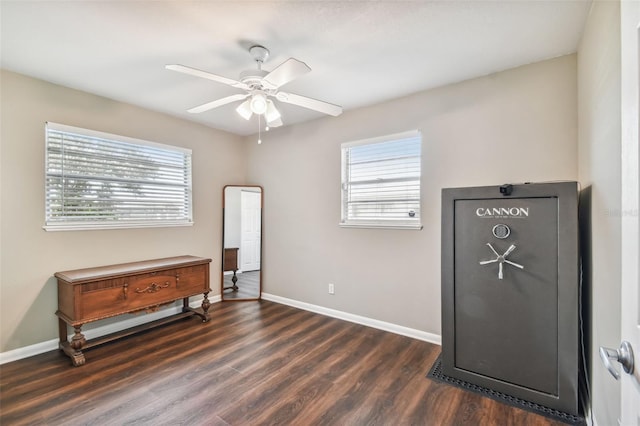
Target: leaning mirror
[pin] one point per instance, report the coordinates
(241, 242)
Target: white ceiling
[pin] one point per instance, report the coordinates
(360, 52)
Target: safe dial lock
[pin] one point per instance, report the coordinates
(501, 231)
(501, 259)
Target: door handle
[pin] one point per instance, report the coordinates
(624, 356)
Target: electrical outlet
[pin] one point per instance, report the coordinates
(332, 289)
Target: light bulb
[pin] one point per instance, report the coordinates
(245, 110)
(259, 141)
(266, 129)
(272, 113)
(258, 103)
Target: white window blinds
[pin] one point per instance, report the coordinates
(381, 181)
(97, 180)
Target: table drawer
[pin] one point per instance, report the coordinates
(101, 299)
(111, 297)
(153, 288)
(193, 279)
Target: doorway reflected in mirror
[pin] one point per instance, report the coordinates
(242, 242)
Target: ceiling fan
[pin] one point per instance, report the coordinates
(260, 87)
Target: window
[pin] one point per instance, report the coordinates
(97, 180)
(381, 182)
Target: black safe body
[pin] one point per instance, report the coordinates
(515, 331)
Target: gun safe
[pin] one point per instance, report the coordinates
(510, 290)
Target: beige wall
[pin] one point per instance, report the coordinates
(514, 126)
(30, 255)
(599, 170)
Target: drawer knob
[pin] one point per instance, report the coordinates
(154, 287)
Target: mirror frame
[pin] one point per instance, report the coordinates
(224, 190)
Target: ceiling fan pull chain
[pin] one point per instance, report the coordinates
(259, 129)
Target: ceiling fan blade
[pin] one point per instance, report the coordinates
(286, 72)
(204, 74)
(314, 104)
(218, 103)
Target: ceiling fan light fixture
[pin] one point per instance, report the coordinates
(245, 110)
(258, 103)
(272, 112)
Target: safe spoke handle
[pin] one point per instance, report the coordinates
(493, 250)
(501, 260)
(517, 265)
(509, 250)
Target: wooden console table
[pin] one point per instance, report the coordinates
(92, 294)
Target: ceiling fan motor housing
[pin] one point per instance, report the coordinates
(254, 79)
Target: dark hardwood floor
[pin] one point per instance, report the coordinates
(248, 286)
(255, 363)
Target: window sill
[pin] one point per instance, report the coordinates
(101, 226)
(404, 226)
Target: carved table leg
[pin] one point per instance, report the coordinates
(77, 342)
(234, 280)
(205, 307)
(74, 348)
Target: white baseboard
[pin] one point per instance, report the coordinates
(92, 333)
(27, 351)
(370, 322)
(103, 330)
